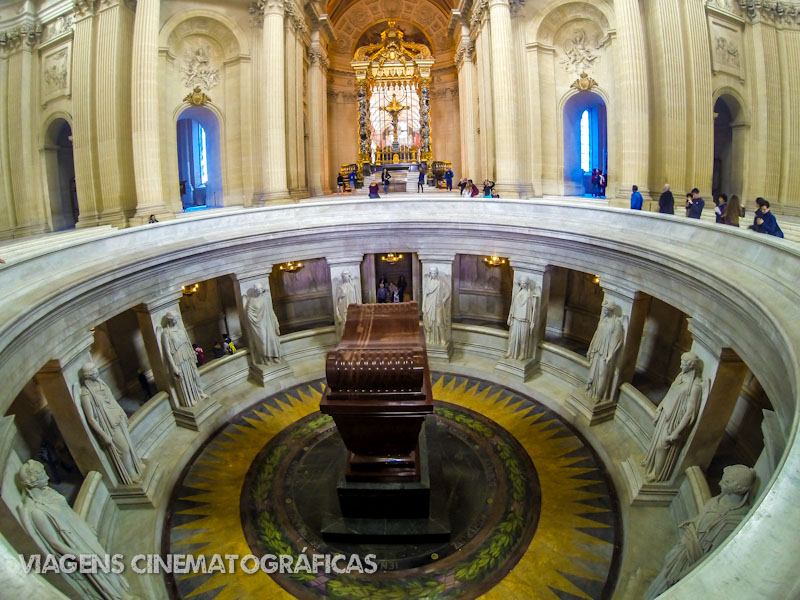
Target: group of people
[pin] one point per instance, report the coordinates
(599, 182)
(470, 190)
(340, 182)
(388, 291)
(220, 349)
(727, 211)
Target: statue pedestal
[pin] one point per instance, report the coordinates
(594, 412)
(441, 352)
(139, 495)
(261, 374)
(642, 493)
(406, 512)
(193, 417)
(521, 369)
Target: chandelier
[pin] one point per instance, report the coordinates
(291, 266)
(494, 261)
(391, 257)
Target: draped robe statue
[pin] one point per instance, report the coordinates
(263, 325)
(58, 531)
(521, 320)
(110, 424)
(182, 362)
(675, 416)
(436, 308)
(603, 352)
(708, 529)
(347, 293)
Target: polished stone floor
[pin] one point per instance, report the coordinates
(531, 511)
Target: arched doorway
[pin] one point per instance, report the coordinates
(585, 142)
(728, 147)
(60, 173)
(199, 161)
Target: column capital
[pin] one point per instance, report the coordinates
(316, 56)
(344, 260)
(465, 51)
(294, 19)
(708, 337)
(528, 265)
(619, 287)
(440, 257)
(165, 301)
(261, 8)
(24, 36)
(479, 10)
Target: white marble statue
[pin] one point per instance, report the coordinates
(708, 529)
(59, 531)
(347, 293)
(436, 308)
(675, 415)
(522, 319)
(604, 351)
(263, 325)
(182, 362)
(109, 423)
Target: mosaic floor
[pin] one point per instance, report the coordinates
(531, 512)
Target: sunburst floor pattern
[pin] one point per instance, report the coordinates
(560, 538)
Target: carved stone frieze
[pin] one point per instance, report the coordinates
(25, 34)
(197, 68)
(59, 26)
(771, 11)
(580, 54)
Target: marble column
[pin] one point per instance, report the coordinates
(84, 134)
(60, 383)
(634, 306)
(504, 90)
(151, 322)
(259, 373)
(443, 263)
(634, 111)
(316, 78)
(300, 69)
(482, 35)
(538, 276)
(468, 109)
(339, 265)
(145, 133)
(289, 35)
(272, 89)
(114, 26)
(8, 216)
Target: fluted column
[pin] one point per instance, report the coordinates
(467, 106)
(299, 67)
(634, 114)
(144, 112)
(114, 26)
(84, 134)
(480, 26)
(291, 105)
(316, 122)
(273, 116)
(8, 217)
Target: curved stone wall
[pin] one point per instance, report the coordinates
(735, 284)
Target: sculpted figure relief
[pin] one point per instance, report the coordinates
(347, 293)
(709, 528)
(436, 308)
(603, 352)
(109, 423)
(58, 531)
(182, 362)
(521, 320)
(265, 344)
(674, 418)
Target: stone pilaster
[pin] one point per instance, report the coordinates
(468, 110)
(272, 89)
(443, 263)
(151, 317)
(482, 34)
(260, 373)
(338, 266)
(8, 216)
(316, 103)
(504, 90)
(633, 124)
(60, 382)
(300, 164)
(291, 105)
(538, 276)
(145, 113)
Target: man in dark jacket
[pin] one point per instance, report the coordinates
(694, 205)
(766, 222)
(666, 202)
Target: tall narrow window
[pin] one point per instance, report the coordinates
(586, 158)
(201, 151)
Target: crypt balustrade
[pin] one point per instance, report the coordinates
(56, 292)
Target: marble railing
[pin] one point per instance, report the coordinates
(738, 285)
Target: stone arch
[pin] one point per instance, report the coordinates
(731, 131)
(59, 171)
(208, 23)
(210, 118)
(544, 26)
(571, 107)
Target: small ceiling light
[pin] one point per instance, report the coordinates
(392, 257)
(190, 290)
(291, 267)
(494, 261)
(596, 279)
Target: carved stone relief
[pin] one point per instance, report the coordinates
(726, 44)
(726, 52)
(580, 52)
(56, 69)
(197, 68)
(58, 27)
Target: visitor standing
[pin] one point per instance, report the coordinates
(339, 184)
(733, 211)
(448, 177)
(694, 204)
(666, 202)
(636, 199)
(421, 180)
(766, 221)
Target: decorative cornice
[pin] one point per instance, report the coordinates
(26, 33)
(784, 13)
